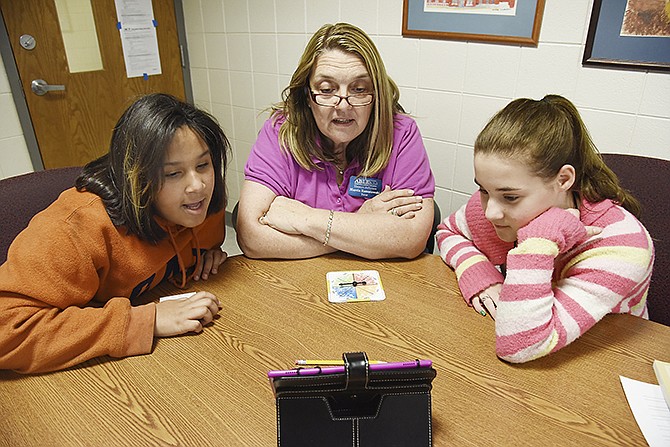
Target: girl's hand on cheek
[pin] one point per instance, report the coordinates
(558, 225)
(590, 230)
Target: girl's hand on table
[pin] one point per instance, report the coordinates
(209, 263)
(487, 301)
(175, 317)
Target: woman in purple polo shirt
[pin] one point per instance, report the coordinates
(338, 165)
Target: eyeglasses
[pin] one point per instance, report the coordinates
(328, 100)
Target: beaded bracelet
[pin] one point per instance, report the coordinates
(328, 227)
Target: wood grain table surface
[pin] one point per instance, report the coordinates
(211, 389)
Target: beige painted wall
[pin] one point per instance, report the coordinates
(243, 53)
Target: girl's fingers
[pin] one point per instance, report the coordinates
(207, 265)
(592, 231)
(477, 306)
(489, 305)
(219, 258)
(198, 269)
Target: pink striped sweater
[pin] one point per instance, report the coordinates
(558, 284)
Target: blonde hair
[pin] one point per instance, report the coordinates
(548, 134)
(299, 133)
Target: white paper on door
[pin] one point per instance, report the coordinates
(137, 28)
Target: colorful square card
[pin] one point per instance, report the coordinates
(358, 285)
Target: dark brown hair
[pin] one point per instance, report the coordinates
(129, 177)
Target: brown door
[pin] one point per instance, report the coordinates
(73, 126)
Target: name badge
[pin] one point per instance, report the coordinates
(365, 187)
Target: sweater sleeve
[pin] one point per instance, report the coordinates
(46, 288)
(546, 304)
(474, 271)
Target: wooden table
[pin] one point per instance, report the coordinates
(211, 389)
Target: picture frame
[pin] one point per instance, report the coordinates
(611, 44)
(474, 20)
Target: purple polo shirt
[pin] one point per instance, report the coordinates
(408, 167)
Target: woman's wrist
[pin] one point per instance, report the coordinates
(329, 227)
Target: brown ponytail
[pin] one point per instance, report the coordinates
(548, 134)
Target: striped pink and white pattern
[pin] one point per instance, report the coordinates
(558, 283)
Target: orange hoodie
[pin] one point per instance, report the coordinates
(67, 287)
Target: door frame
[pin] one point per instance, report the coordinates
(20, 100)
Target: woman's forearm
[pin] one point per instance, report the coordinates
(264, 242)
(372, 236)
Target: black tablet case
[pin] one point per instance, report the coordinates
(356, 408)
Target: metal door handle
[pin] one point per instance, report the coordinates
(40, 87)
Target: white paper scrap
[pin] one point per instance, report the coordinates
(176, 297)
(651, 413)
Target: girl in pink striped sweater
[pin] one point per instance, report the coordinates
(550, 243)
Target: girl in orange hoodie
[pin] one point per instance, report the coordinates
(150, 209)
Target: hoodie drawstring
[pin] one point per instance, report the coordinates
(180, 261)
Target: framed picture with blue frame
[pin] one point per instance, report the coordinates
(629, 34)
(496, 21)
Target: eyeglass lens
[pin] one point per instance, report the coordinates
(334, 100)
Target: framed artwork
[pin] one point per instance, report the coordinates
(499, 21)
(632, 34)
